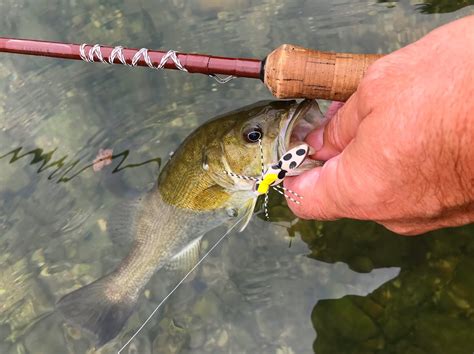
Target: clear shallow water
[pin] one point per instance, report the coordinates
(362, 289)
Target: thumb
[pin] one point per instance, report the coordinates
(329, 140)
(328, 191)
(323, 191)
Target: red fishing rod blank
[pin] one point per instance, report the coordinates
(193, 63)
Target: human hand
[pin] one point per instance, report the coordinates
(401, 150)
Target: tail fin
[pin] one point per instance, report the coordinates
(97, 310)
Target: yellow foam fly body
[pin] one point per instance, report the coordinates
(266, 182)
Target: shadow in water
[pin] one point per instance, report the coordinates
(65, 169)
(437, 6)
(428, 308)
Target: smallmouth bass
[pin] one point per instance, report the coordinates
(193, 195)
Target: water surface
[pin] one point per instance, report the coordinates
(281, 287)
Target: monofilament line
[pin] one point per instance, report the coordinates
(247, 178)
(287, 196)
(117, 53)
(177, 286)
(265, 201)
(290, 191)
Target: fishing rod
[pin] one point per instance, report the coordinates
(289, 71)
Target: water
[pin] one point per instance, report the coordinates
(281, 287)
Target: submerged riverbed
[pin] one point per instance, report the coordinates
(284, 286)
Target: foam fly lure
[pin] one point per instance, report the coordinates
(276, 173)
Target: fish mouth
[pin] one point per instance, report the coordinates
(303, 118)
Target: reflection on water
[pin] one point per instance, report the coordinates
(64, 170)
(362, 289)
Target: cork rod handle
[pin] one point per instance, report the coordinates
(296, 72)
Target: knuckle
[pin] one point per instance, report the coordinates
(374, 83)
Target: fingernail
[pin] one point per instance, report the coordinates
(315, 139)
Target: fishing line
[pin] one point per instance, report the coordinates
(95, 52)
(289, 190)
(287, 196)
(265, 202)
(247, 178)
(177, 285)
(292, 164)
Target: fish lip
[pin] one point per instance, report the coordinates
(296, 113)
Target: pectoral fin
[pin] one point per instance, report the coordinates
(247, 212)
(187, 258)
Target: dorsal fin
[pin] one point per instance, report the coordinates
(121, 223)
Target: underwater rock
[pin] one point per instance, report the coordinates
(45, 337)
(351, 323)
(171, 338)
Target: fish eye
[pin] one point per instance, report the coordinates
(253, 134)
